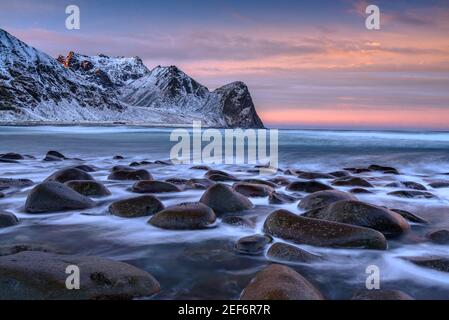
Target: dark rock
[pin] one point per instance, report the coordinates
(252, 245)
(410, 216)
(412, 194)
(360, 191)
(200, 167)
(322, 233)
(380, 295)
(118, 157)
(352, 182)
(362, 214)
(222, 199)
(375, 167)
(439, 236)
(164, 163)
(288, 253)
(7, 250)
(131, 175)
(70, 174)
(2, 195)
(200, 183)
(177, 181)
(281, 181)
(252, 190)
(15, 183)
(324, 198)
(277, 282)
(340, 174)
(7, 219)
(134, 164)
(260, 181)
(85, 168)
(89, 188)
(8, 161)
(432, 262)
(308, 186)
(280, 198)
(439, 184)
(136, 207)
(185, 216)
(151, 186)
(12, 156)
(217, 175)
(42, 276)
(406, 184)
(357, 170)
(56, 154)
(121, 168)
(314, 175)
(54, 196)
(238, 221)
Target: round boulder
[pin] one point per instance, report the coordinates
(8, 219)
(136, 207)
(252, 189)
(252, 245)
(352, 182)
(288, 253)
(222, 199)
(324, 198)
(89, 188)
(439, 236)
(308, 186)
(151, 186)
(130, 175)
(70, 174)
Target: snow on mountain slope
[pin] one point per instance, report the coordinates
(37, 88)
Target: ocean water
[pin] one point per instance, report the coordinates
(202, 264)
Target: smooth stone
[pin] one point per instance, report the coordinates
(201, 167)
(410, 216)
(200, 183)
(164, 163)
(121, 168)
(406, 184)
(12, 156)
(218, 175)
(2, 195)
(89, 188)
(252, 245)
(278, 282)
(324, 198)
(238, 221)
(8, 219)
(314, 175)
(134, 164)
(136, 207)
(260, 181)
(7, 250)
(6, 183)
(360, 191)
(288, 226)
(185, 216)
(357, 170)
(439, 236)
(152, 186)
(380, 294)
(352, 182)
(308, 186)
(130, 175)
(287, 253)
(439, 184)
(8, 161)
(431, 262)
(56, 154)
(177, 181)
(339, 174)
(384, 169)
(280, 198)
(118, 157)
(69, 174)
(412, 194)
(222, 199)
(42, 276)
(281, 181)
(54, 196)
(85, 168)
(361, 214)
(252, 190)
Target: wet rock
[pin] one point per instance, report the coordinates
(217, 175)
(308, 186)
(352, 182)
(134, 164)
(222, 199)
(131, 175)
(89, 188)
(340, 174)
(15, 183)
(362, 214)
(314, 175)
(163, 162)
(70, 174)
(410, 216)
(2, 195)
(7, 250)
(412, 194)
(8, 161)
(252, 190)
(152, 186)
(322, 233)
(42, 276)
(380, 295)
(281, 181)
(390, 170)
(431, 262)
(85, 168)
(201, 167)
(136, 207)
(54, 196)
(262, 182)
(185, 216)
(439, 184)
(12, 156)
(118, 157)
(200, 183)
(277, 282)
(360, 191)
(288, 253)
(177, 181)
(121, 168)
(280, 198)
(357, 170)
(439, 236)
(252, 245)
(324, 198)
(53, 156)
(7, 219)
(407, 184)
(238, 221)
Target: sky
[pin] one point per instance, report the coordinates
(308, 64)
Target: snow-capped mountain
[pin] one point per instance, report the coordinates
(35, 87)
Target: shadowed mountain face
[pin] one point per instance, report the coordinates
(77, 89)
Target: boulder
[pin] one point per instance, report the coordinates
(89, 188)
(222, 199)
(439, 184)
(280, 198)
(130, 175)
(360, 191)
(406, 184)
(118, 157)
(308, 186)
(151, 186)
(252, 245)
(281, 181)
(6, 183)
(262, 182)
(238, 221)
(201, 167)
(380, 295)
(217, 175)
(52, 196)
(53, 156)
(439, 236)
(284, 252)
(384, 169)
(314, 175)
(357, 213)
(85, 168)
(252, 190)
(431, 262)
(340, 174)
(352, 182)
(185, 216)
(412, 194)
(136, 207)
(288, 226)
(8, 219)
(410, 216)
(42, 276)
(277, 282)
(200, 183)
(324, 198)
(12, 156)
(70, 174)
